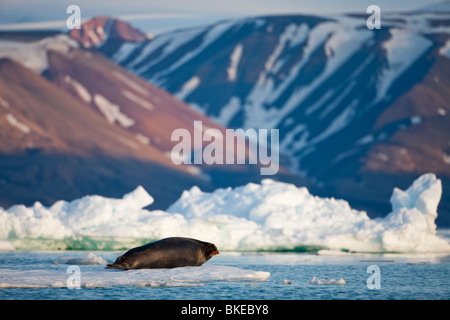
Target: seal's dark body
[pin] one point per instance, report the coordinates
(166, 253)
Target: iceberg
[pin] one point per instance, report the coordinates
(90, 259)
(270, 216)
(6, 246)
(324, 281)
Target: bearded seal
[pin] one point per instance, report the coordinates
(166, 253)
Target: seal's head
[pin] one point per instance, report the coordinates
(210, 251)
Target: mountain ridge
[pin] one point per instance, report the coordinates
(344, 98)
(54, 147)
(359, 112)
(76, 123)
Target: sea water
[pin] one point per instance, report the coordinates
(238, 276)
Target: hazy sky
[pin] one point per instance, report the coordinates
(166, 14)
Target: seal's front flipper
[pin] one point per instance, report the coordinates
(117, 266)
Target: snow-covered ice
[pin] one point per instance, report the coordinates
(267, 216)
(94, 277)
(324, 281)
(90, 259)
(5, 245)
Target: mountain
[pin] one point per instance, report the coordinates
(74, 123)
(99, 29)
(147, 112)
(443, 6)
(359, 111)
(124, 99)
(55, 147)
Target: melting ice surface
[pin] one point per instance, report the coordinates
(267, 216)
(98, 277)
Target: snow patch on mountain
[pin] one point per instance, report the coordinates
(339, 45)
(112, 112)
(168, 43)
(33, 55)
(402, 49)
(234, 62)
(140, 101)
(188, 87)
(292, 36)
(79, 88)
(209, 37)
(445, 50)
(12, 120)
(131, 83)
(124, 51)
(4, 103)
(228, 111)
